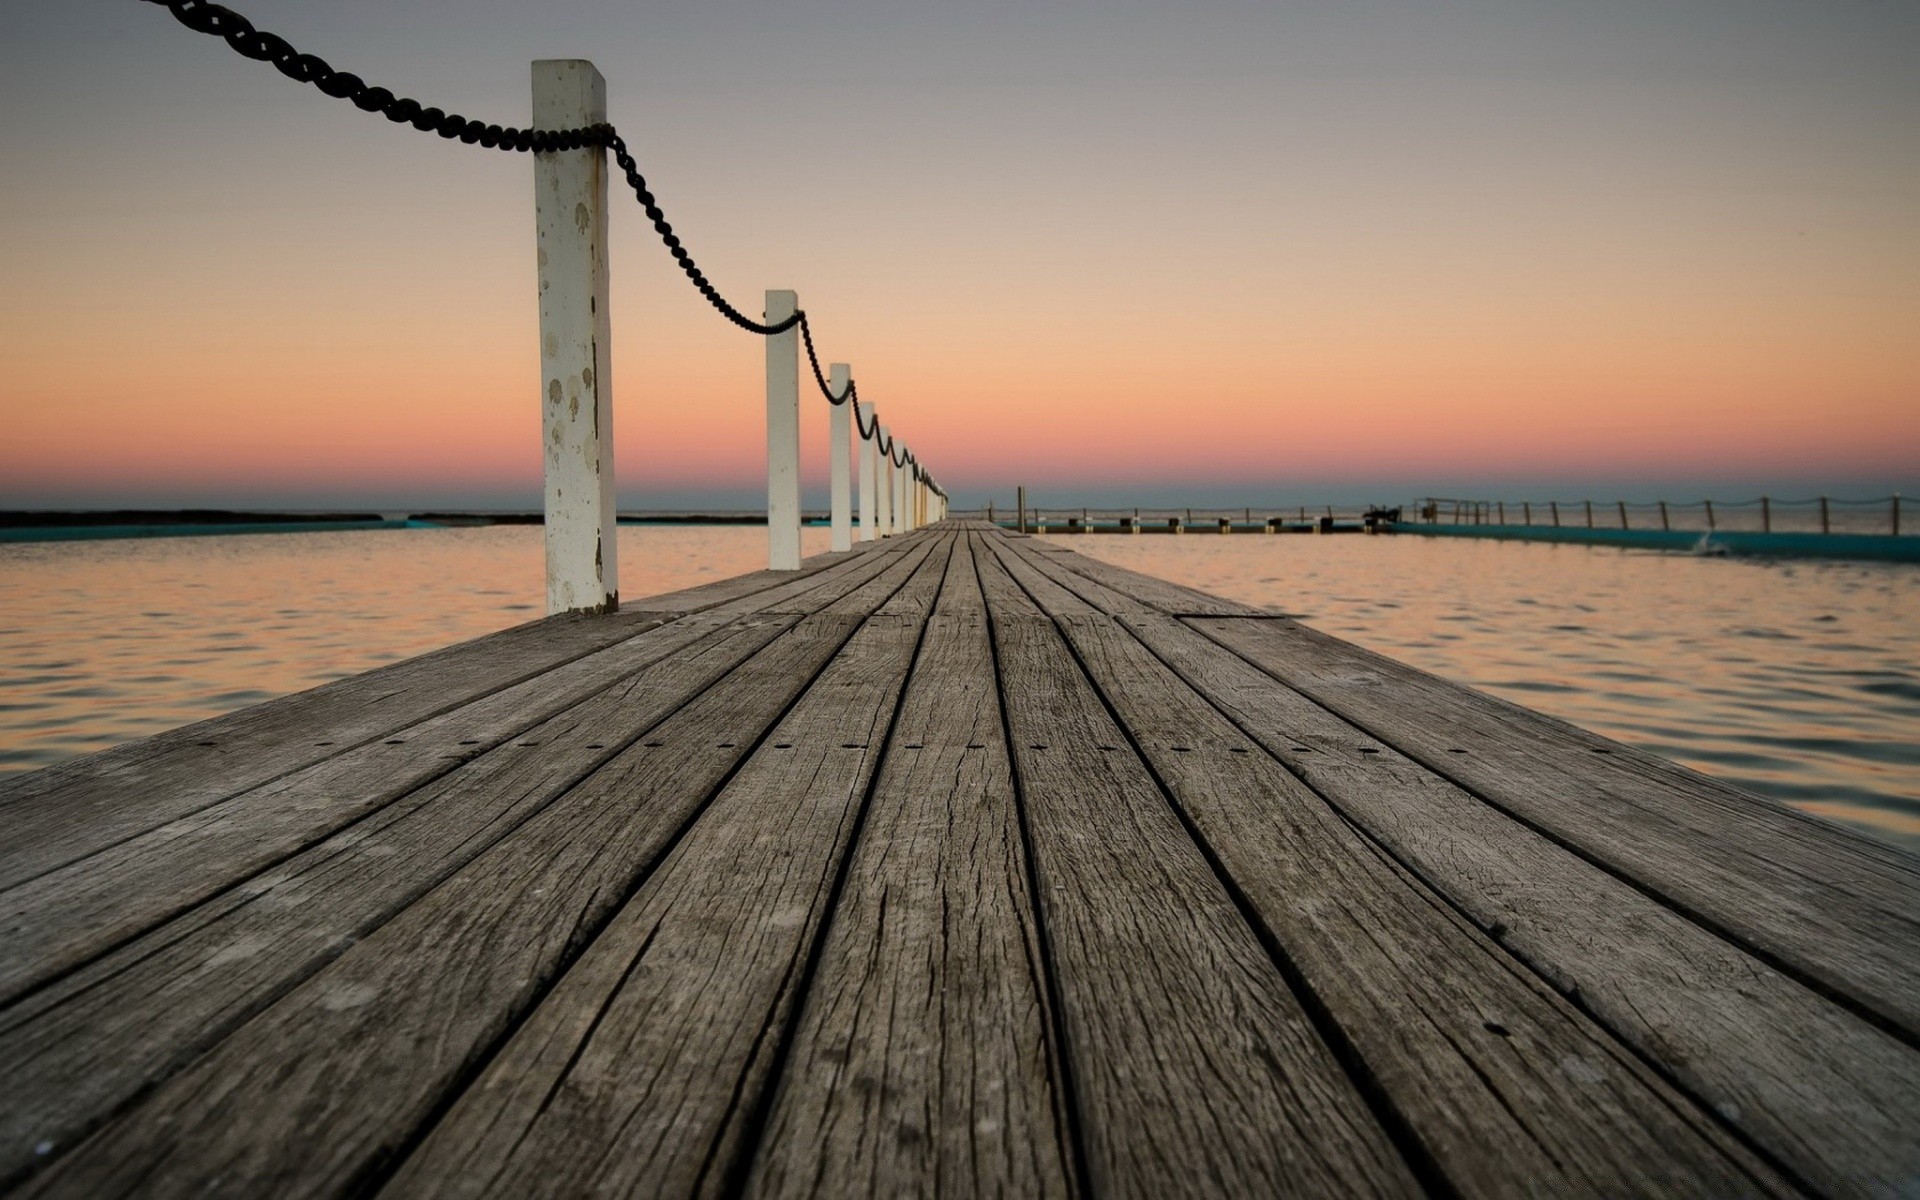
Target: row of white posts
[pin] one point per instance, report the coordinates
(570, 217)
(892, 499)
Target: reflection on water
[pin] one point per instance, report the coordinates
(105, 641)
(1797, 679)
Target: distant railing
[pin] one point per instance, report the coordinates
(1818, 514)
(1309, 518)
(570, 145)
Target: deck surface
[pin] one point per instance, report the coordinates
(961, 864)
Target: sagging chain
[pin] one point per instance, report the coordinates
(222, 22)
(238, 32)
(813, 360)
(679, 252)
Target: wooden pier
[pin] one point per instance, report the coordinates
(957, 864)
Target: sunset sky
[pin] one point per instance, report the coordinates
(1149, 250)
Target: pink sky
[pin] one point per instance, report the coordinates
(1378, 248)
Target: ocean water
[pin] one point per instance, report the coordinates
(1799, 680)
(102, 642)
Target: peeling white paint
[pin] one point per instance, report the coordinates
(570, 217)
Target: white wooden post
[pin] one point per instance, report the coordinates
(783, 435)
(885, 482)
(839, 435)
(576, 343)
(869, 467)
(901, 519)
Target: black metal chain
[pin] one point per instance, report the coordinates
(222, 22)
(679, 252)
(238, 32)
(813, 359)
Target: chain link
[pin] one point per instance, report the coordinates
(238, 32)
(813, 359)
(679, 252)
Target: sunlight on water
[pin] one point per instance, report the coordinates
(102, 642)
(1797, 679)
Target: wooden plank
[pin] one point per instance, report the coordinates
(720, 591)
(1832, 906)
(59, 919)
(1160, 594)
(53, 923)
(82, 1047)
(1190, 1059)
(1467, 1049)
(922, 1064)
(1823, 1091)
(656, 1045)
(342, 1059)
(57, 815)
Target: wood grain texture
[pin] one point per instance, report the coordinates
(81, 1048)
(67, 811)
(1193, 1065)
(1467, 1048)
(646, 908)
(54, 922)
(348, 1055)
(655, 1046)
(1828, 903)
(1821, 1090)
(921, 1065)
(720, 591)
(1159, 594)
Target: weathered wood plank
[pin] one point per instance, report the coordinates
(1190, 1059)
(720, 591)
(656, 1045)
(53, 923)
(57, 920)
(1468, 1049)
(80, 1048)
(1820, 1089)
(358, 1026)
(1160, 594)
(1831, 905)
(57, 815)
(922, 1064)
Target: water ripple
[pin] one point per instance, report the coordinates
(1800, 681)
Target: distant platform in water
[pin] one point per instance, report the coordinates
(1882, 547)
(960, 863)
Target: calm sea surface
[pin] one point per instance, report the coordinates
(1797, 679)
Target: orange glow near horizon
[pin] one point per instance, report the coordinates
(1076, 282)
